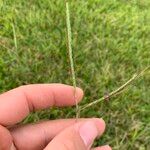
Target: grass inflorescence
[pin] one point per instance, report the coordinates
(69, 39)
(117, 91)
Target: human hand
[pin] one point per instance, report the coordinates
(63, 134)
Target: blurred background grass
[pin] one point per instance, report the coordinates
(111, 42)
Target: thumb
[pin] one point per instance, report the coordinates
(78, 137)
(5, 138)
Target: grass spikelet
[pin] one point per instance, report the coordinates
(117, 91)
(69, 42)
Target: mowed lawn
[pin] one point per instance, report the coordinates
(111, 42)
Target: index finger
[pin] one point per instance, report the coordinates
(16, 104)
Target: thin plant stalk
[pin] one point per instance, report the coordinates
(69, 42)
(15, 41)
(117, 91)
(15, 38)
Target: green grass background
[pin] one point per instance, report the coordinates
(111, 42)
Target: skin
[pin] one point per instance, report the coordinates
(62, 134)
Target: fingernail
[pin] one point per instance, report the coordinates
(88, 133)
(79, 94)
(106, 147)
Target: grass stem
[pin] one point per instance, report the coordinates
(117, 91)
(15, 38)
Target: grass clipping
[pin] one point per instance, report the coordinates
(113, 93)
